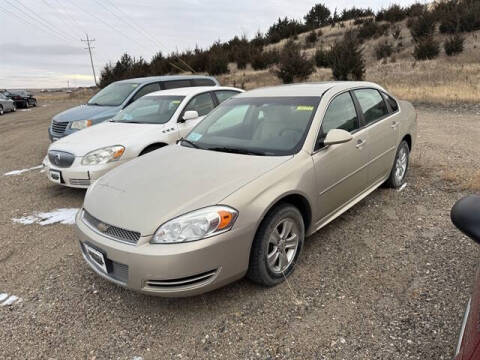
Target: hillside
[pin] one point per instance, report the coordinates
(446, 79)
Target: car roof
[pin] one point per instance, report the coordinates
(149, 79)
(307, 89)
(186, 91)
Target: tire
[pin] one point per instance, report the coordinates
(1, 110)
(400, 166)
(34, 103)
(25, 104)
(14, 108)
(266, 273)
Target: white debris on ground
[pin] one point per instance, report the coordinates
(25, 110)
(18, 172)
(63, 216)
(402, 187)
(8, 300)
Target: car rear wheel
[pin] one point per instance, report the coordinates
(1, 110)
(34, 103)
(400, 166)
(14, 108)
(276, 246)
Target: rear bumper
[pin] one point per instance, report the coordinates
(170, 270)
(78, 175)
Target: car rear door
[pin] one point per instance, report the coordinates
(340, 170)
(382, 127)
(202, 104)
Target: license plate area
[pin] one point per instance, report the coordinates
(96, 257)
(56, 176)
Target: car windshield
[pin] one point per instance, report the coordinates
(259, 126)
(113, 95)
(150, 110)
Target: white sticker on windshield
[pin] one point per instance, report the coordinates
(194, 136)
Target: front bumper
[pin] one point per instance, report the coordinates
(53, 136)
(78, 175)
(170, 270)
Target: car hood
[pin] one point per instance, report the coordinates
(105, 134)
(144, 193)
(87, 112)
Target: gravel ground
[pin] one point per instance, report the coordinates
(387, 280)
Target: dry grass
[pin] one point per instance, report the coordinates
(62, 95)
(445, 80)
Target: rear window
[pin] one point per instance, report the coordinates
(203, 82)
(175, 84)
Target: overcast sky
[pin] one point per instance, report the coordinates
(40, 43)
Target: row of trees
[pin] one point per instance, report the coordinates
(452, 16)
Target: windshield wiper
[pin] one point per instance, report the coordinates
(196, 146)
(237, 151)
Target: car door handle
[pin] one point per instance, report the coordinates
(394, 124)
(360, 143)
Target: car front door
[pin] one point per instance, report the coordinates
(381, 127)
(340, 170)
(202, 104)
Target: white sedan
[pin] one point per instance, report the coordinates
(153, 121)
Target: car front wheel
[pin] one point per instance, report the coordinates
(400, 166)
(1, 110)
(276, 246)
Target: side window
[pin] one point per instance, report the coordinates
(372, 104)
(223, 95)
(146, 90)
(391, 101)
(175, 84)
(203, 82)
(202, 104)
(340, 114)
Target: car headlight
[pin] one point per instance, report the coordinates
(81, 124)
(196, 225)
(103, 155)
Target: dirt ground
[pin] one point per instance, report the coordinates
(387, 280)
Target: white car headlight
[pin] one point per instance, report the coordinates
(103, 155)
(196, 225)
(81, 124)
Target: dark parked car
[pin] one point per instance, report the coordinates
(115, 97)
(22, 98)
(466, 217)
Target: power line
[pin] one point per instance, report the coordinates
(139, 28)
(70, 16)
(46, 29)
(39, 20)
(61, 17)
(88, 41)
(112, 27)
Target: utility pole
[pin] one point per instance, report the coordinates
(89, 48)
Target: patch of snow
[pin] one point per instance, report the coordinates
(63, 216)
(10, 300)
(25, 110)
(3, 296)
(18, 172)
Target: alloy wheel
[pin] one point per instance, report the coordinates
(282, 245)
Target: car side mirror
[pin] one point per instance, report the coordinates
(337, 136)
(465, 216)
(189, 115)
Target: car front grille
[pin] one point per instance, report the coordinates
(59, 127)
(117, 271)
(113, 232)
(194, 280)
(61, 158)
(79, 182)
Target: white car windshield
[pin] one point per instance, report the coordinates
(150, 110)
(257, 126)
(113, 95)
